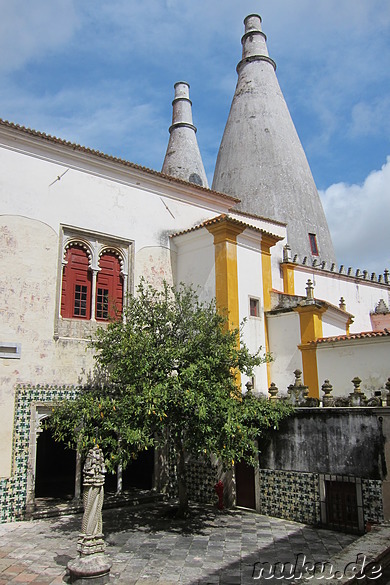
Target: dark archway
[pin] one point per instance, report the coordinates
(245, 485)
(139, 474)
(55, 468)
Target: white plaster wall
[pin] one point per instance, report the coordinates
(284, 337)
(195, 262)
(366, 358)
(360, 296)
(91, 202)
(333, 323)
(250, 284)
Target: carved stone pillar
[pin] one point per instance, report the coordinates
(92, 565)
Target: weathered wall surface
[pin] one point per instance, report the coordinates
(345, 441)
(28, 280)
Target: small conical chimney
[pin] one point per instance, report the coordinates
(261, 160)
(183, 159)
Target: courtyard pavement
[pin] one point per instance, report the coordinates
(147, 545)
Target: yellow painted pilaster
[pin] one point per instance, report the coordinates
(288, 278)
(226, 271)
(310, 319)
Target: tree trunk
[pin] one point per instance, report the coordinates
(181, 481)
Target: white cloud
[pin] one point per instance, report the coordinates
(358, 218)
(370, 118)
(29, 29)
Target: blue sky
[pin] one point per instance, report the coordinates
(102, 74)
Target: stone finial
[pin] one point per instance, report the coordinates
(304, 261)
(358, 397)
(298, 392)
(327, 389)
(342, 304)
(381, 308)
(358, 272)
(333, 266)
(309, 291)
(341, 270)
(349, 271)
(365, 274)
(249, 387)
(386, 276)
(273, 391)
(373, 277)
(92, 563)
(323, 265)
(286, 253)
(295, 259)
(380, 278)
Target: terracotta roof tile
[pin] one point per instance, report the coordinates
(219, 219)
(363, 335)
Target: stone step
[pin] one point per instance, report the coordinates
(50, 507)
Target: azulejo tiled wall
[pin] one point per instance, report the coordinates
(13, 491)
(201, 477)
(295, 496)
(291, 495)
(372, 500)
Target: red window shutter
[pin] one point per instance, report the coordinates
(76, 285)
(109, 288)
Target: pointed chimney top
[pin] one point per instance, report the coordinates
(183, 159)
(261, 160)
(254, 42)
(182, 107)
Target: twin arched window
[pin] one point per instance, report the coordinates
(88, 294)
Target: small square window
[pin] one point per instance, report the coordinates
(313, 244)
(254, 307)
(102, 303)
(80, 301)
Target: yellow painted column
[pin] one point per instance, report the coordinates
(288, 278)
(310, 320)
(226, 272)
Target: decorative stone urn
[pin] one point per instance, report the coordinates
(92, 565)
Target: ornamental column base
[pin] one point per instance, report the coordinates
(92, 569)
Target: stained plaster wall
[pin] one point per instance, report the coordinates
(366, 358)
(360, 296)
(348, 441)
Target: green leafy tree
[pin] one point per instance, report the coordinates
(169, 369)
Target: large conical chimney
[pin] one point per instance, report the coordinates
(261, 160)
(182, 159)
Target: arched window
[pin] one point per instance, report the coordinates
(109, 287)
(76, 285)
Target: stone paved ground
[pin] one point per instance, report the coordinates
(147, 546)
